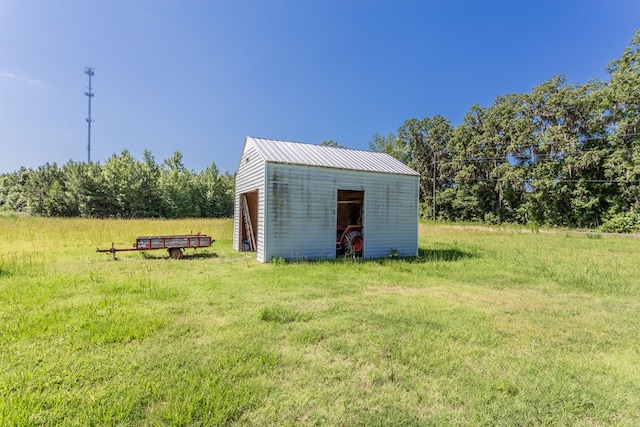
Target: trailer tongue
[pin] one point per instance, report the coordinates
(174, 244)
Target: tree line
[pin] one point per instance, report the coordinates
(123, 187)
(562, 155)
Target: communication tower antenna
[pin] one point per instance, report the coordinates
(89, 93)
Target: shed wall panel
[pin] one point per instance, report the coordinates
(300, 206)
(250, 177)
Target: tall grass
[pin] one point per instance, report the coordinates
(487, 326)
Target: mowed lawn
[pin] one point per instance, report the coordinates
(487, 326)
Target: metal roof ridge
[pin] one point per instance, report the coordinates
(309, 154)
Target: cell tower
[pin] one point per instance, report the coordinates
(89, 93)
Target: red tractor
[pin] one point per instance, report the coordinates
(349, 238)
(349, 241)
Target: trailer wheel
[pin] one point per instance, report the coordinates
(353, 243)
(175, 253)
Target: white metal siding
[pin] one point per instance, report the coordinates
(301, 211)
(250, 177)
(391, 215)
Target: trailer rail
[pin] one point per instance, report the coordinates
(174, 244)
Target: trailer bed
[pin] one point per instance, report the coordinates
(174, 244)
(168, 242)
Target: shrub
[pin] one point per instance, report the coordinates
(626, 222)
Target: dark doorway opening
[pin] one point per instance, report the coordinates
(349, 223)
(248, 221)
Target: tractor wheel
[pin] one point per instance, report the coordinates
(175, 253)
(353, 243)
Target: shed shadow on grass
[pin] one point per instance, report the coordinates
(185, 256)
(424, 256)
(439, 255)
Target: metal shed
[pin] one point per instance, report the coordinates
(293, 199)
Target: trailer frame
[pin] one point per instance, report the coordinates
(174, 244)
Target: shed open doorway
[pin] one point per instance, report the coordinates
(349, 223)
(248, 221)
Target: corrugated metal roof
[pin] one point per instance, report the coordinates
(298, 153)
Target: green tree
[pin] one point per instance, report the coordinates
(427, 141)
(12, 190)
(621, 108)
(391, 145)
(149, 173)
(214, 193)
(178, 191)
(129, 186)
(567, 175)
(472, 194)
(331, 143)
(95, 201)
(44, 191)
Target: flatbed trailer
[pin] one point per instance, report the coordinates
(174, 244)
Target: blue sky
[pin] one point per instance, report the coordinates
(199, 76)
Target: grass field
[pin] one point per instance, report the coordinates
(488, 326)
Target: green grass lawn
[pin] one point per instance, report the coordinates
(488, 326)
